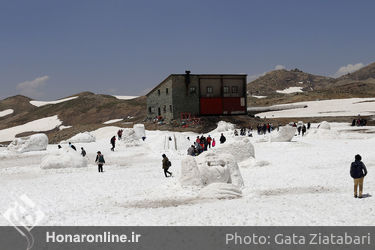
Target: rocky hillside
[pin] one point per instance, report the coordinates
(360, 83)
(87, 112)
(283, 79)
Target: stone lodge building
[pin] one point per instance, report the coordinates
(198, 95)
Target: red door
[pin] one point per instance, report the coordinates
(211, 106)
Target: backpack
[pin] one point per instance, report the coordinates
(169, 163)
(101, 159)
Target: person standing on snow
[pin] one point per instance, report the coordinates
(166, 164)
(83, 152)
(213, 142)
(209, 140)
(119, 134)
(358, 171)
(113, 142)
(100, 161)
(222, 138)
(303, 130)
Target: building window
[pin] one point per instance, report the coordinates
(164, 108)
(234, 89)
(170, 109)
(166, 91)
(149, 110)
(193, 90)
(158, 91)
(226, 90)
(210, 90)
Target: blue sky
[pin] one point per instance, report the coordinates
(51, 49)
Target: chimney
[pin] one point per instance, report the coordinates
(187, 80)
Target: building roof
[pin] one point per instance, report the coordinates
(203, 75)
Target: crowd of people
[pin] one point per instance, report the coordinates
(359, 122)
(203, 143)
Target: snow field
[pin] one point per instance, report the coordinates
(324, 108)
(6, 112)
(43, 103)
(290, 90)
(302, 182)
(39, 125)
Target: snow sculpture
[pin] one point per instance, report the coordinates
(37, 142)
(64, 158)
(285, 134)
(190, 175)
(220, 191)
(324, 125)
(139, 130)
(241, 149)
(210, 167)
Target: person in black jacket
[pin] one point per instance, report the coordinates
(358, 171)
(83, 152)
(222, 138)
(100, 161)
(113, 142)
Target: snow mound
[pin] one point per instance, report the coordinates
(241, 149)
(324, 125)
(210, 167)
(64, 158)
(85, 137)
(285, 134)
(220, 191)
(252, 162)
(37, 142)
(323, 134)
(223, 126)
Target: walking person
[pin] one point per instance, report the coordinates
(166, 165)
(72, 146)
(113, 142)
(100, 161)
(83, 152)
(358, 171)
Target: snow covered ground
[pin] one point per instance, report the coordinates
(334, 107)
(125, 97)
(113, 121)
(302, 182)
(259, 96)
(43, 103)
(39, 125)
(6, 112)
(290, 90)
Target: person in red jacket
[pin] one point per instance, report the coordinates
(209, 140)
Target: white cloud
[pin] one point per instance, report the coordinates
(32, 88)
(279, 66)
(348, 69)
(253, 77)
